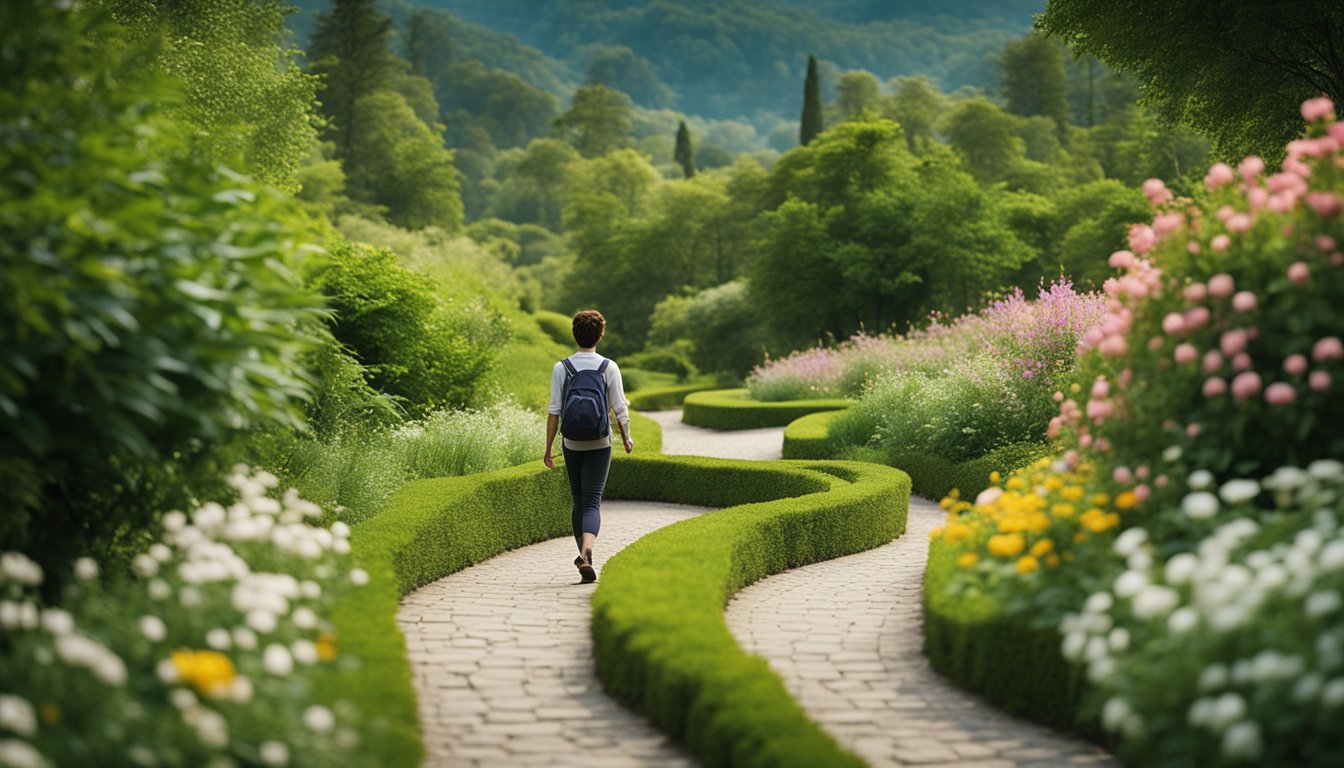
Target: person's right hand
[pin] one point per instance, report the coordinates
(548, 460)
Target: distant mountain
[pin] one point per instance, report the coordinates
(725, 58)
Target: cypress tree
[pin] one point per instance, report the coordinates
(684, 154)
(350, 50)
(812, 119)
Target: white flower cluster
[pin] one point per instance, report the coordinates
(1227, 587)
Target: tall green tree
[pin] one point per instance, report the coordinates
(1234, 71)
(857, 92)
(349, 50)
(1034, 81)
(684, 154)
(404, 165)
(599, 121)
(918, 107)
(813, 121)
(986, 138)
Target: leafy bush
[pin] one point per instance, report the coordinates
(729, 409)
(559, 327)
(213, 648)
(147, 309)
(720, 323)
(671, 359)
(414, 346)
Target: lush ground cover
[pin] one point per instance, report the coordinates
(1185, 541)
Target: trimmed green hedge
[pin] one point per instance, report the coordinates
(809, 437)
(1015, 666)
(665, 398)
(660, 639)
(730, 409)
(647, 433)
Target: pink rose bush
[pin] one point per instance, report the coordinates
(1205, 413)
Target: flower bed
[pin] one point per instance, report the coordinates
(732, 409)
(1184, 544)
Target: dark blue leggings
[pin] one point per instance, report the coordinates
(587, 478)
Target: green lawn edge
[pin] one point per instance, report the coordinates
(732, 409)
(660, 640)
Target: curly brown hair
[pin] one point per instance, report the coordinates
(589, 326)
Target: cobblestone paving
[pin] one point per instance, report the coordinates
(845, 635)
(502, 659)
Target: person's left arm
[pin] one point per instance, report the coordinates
(619, 406)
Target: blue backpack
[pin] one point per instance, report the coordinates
(584, 414)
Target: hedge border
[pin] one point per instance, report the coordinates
(733, 409)
(809, 437)
(665, 398)
(660, 640)
(1013, 665)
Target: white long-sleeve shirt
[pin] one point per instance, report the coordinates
(590, 361)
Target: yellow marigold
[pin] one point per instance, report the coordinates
(1063, 510)
(1053, 483)
(995, 477)
(1042, 547)
(955, 532)
(209, 672)
(1126, 500)
(967, 559)
(1007, 545)
(945, 502)
(1097, 521)
(936, 533)
(1027, 564)
(955, 493)
(1052, 560)
(1100, 500)
(1016, 483)
(326, 646)
(1072, 492)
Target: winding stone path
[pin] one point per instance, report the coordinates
(501, 654)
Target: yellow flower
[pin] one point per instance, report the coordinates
(1078, 538)
(1053, 483)
(1027, 564)
(1016, 483)
(995, 477)
(1006, 545)
(1042, 547)
(1100, 500)
(1052, 560)
(955, 532)
(1096, 520)
(1126, 500)
(1072, 492)
(967, 559)
(1062, 510)
(326, 646)
(210, 673)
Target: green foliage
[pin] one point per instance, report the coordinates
(986, 139)
(246, 96)
(659, 637)
(349, 51)
(414, 346)
(598, 122)
(671, 359)
(664, 398)
(732, 409)
(621, 69)
(147, 309)
(1033, 78)
(400, 163)
(1237, 74)
(1092, 222)
(857, 93)
(812, 121)
(536, 183)
(720, 323)
(684, 154)
(557, 326)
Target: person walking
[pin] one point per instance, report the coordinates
(585, 389)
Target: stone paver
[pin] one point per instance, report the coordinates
(681, 440)
(501, 655)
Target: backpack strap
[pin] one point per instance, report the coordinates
(602, 369)
(569, 367)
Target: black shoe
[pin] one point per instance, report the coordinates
(587, 573)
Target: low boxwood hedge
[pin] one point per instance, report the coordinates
(1016, 666)
(665, 398)
(730, 409)
(809, 437)
(660, 640)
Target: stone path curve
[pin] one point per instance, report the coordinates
(846, 637)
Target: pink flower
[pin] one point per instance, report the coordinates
(1324, 243)
(1257, 197)
(1279, 393)
(1221, 285)
(1085, 441)
(1328, 348)
(1193, 246)
(1167, 223)
(1220, 243)
(1192, 430)
(1219, 175)
(1337, 259)
(1100, 389)
(1156, 192)
(1161, 481)
(1122, 260)
(1242, 362)
(1251, 167)
(1156, 342)
(1320, 108)
(1239, 222)
(1173, 323)
(1196, 318)
(1142, 238)
(1319, 381)
(1212, 361)
(1232, 342)
(1195, 292)
(1143, 472)
(988, 496)
(1186, 353)
(1215, 387)
(1113, 346)
(1059, 396)
(1244, 301)
(1299, 273)
(1295, 364)
(1122, 475)
(1142, 492)
(1325, 204)
(1246, 384)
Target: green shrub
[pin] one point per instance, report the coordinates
(660, 639)
(730, 409)
(147, 308)
(415, 346)
(665, 398)
(672, 359)
(559, 327)
(720, 325)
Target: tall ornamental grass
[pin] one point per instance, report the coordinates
(1187, 538)
(357, 471)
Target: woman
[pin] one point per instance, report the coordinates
(587, 461)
